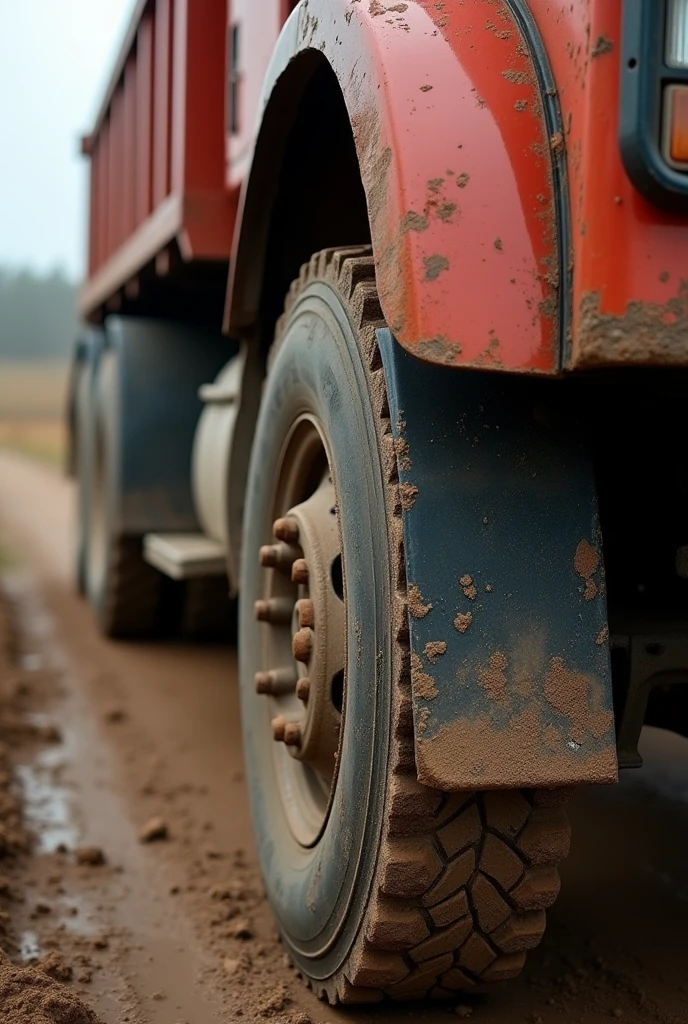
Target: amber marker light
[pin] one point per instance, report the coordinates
(676, 126)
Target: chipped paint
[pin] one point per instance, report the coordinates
(646, 333)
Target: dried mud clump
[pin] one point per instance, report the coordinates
(417, 606)
(29, 996)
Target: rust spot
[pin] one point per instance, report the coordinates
(468, 586)
(647, 332)
(493, 678)
(435, 649)
(571, 694)
(408, 494)
(417, 607)
(423, 684)
(413, 221)
(586, 562)
(426, 88)
(463, 621)
(463, 179)
(434, 266)
(498, 244)
(603, 45)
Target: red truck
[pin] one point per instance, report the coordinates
(386, 336)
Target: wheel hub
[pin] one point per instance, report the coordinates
(304, 617)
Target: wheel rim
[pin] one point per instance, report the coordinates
(303, 642)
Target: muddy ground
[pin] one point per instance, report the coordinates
(99, 738)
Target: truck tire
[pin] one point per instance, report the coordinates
(78, 469)
(380, 886)
(124, 591)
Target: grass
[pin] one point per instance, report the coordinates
(32, 406)
(42, 440)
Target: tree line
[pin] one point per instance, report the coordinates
(38, 318)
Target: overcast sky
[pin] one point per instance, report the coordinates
(55, 59)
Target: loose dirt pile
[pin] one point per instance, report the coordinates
(34, 994)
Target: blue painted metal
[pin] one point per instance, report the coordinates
(160, 367)
(504, 567)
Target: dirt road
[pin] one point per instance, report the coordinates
(176, 930)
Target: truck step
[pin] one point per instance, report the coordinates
(185, 556)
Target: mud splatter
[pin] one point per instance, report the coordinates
(579, 698)
(423, 684)
(414, 222)
(647, 332)
(603, 636)
(463, 179)
(493, 679)
(446, 211)
(498, 244)
(603, 45)
(401, 447)
(426, 88)
(516, 77)
(408, 494)
(434, 266)
(435, 649)
(586, 562)
(417, 606)
(469, 589)
(463, 621)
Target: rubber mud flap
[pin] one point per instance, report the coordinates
(510, 659)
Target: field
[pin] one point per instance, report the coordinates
(32, 404)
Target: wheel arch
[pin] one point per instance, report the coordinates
(456, 154)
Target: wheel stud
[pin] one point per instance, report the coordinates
(292, 734)
(306, 612)
(299, 571)
(303, 689)
(302, 645)
(286, 529)
(279, 726)
(275, 611)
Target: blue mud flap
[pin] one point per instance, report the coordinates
(510, 667)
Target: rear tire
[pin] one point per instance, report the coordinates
(124, 590)
(383, 888)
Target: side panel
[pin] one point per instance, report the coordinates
(510, 665)
(459, 163)
(630, 290)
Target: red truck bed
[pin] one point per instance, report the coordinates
(170, 146)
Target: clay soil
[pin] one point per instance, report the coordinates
(97, 740)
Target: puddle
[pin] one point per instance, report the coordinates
(47, 804)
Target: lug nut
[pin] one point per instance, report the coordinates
(278, 556)
(276, 682)
(302, 645)
(292, 734)
(299, 571)
(306, 612)
(279, 726)
(286, 529)
(276, 610)
(303, 689)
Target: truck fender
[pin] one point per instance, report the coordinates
(148, 379)
(459, 143)
(510, 665)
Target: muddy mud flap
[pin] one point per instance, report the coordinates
(510, 663)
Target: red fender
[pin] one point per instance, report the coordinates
(459, 166)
